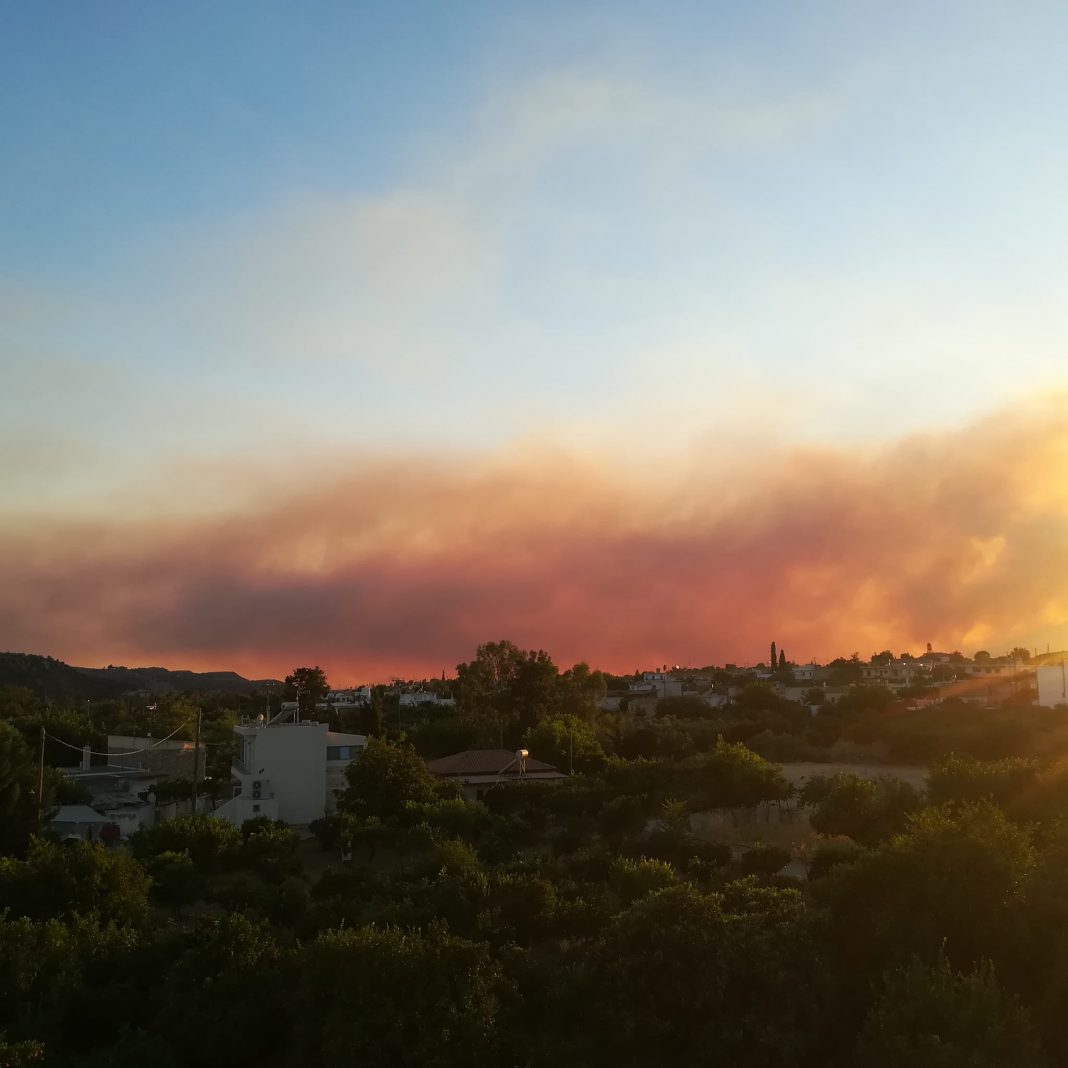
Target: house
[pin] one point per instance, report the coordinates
(811, 672)
(716, 698)
(356, 697)
(171, 757)
(896, 673)
(657, 684)
(477, 770)
(931, 660)
(982, 669)
(642, 704)
(1052, 681)
(425, 697)
(288, 770)
(123, 795)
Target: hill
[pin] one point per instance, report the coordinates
(56, 680)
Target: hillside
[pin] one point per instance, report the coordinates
(56, 680)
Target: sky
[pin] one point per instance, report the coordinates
(359, 334)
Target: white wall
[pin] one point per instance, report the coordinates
(1052, 682)
(289, 760)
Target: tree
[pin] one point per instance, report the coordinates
(44, 968)
(218, 970)
(685, 978)
(953, 881)
(633, 879)
(825, 858)
(867, 810)
(212, 844)
(18, 803)
(963, 778)
(566, 742)
(581, 691)
(536, 690)
(270, 850)
(773, 659)
(485, 685)
(309, 686)
(175, 880)
(733, 776)
(762, 860)
(371, 718)
(782, 660)
(20, 1054)
(385, 996)
(682, 706)
(74, 879)
(384, 776)
(930, 1016)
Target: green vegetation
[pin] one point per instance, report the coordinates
(595, 920)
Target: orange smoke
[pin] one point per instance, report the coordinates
(958, 538)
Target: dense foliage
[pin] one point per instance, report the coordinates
(595, 921)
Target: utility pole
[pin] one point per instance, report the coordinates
(40, 779)
(196, 762)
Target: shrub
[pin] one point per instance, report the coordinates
(212, 844)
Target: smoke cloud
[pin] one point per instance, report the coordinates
(402, 566)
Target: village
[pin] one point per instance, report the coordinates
(289, 764)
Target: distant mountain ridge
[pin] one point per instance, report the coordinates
(53, 679)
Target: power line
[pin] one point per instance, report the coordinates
(132, 752)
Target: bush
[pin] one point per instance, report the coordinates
(175, 880)
(827, 857)
(455, 816)
(74, 879)
(270, 850)
(867, 810)
(623, 815)
(634, 879)
(327, 829)
(934, 1016)
(762, 860)
(212, 844)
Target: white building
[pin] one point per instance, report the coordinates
(425, 697)
(343, 700)
(896, 673)
(987, 668)
(1052, 680)
(123, 795)
(658, 684)
(289, 771)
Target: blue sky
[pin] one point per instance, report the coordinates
(464, 226)
(359, 334)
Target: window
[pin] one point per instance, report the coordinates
(255, 808)
(339, 752)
